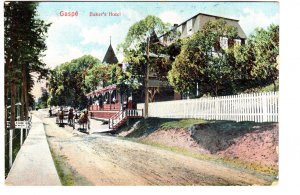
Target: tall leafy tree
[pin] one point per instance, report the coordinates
(134, 50)
(134, 46)
(266, 44)
(257, 61)
(24, 39)
(203, 61)
(67, 84)
(99, 74)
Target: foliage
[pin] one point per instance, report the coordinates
(220, 71)
(42, 101)
(67, 84)
(24, 44)
(257, 61)
(134, 49)
(203, 61)
(98, 74)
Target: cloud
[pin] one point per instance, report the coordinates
(56, 55)
(100, 35)
(98, 53)
(171, 17)
(117, 32)
(251, 19)
(62, 30)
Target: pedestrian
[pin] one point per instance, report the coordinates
(50, 112)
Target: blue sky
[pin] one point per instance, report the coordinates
(72, 37)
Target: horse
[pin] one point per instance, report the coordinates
(61, 117)
(83, 119)
(71, 118)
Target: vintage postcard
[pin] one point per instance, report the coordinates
(141, 93)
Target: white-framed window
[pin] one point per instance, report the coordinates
(237, 41)
(224, 42)
(189, 27)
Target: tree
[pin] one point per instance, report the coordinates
(42, 101)
(203, 61)
(134, 49)
(267, 50)
(24, 40)
(99, 74)
(134, 46)
(256, 61)
(67, 83)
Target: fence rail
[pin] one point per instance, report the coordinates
(258, 107)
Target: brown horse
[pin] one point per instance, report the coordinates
(71, 117)
(83, 119)
(61, 116)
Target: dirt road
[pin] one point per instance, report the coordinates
(107, 160)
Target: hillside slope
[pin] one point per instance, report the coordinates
(246, 144)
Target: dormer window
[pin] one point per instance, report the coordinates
(189, 27)
(224, 42)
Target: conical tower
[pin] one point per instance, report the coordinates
(110, 56)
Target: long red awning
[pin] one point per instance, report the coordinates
(102, 91)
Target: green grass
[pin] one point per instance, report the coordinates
(182, 123)
(65, 174)
(258, 168)
(149, 125)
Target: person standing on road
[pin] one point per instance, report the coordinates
(61, 116)
(50, 112)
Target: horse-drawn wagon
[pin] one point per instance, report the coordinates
(71, 117)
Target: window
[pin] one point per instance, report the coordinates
(224, 42)
(237, 41)
(189, 27)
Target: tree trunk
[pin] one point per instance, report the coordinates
(26, 101)
(24, 98)
(12, 104)
(5, 92)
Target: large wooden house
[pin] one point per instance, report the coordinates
(196, 23)
(106, 103)
(185, 30)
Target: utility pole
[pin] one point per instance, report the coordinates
(147, 79)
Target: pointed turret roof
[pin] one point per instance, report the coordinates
(110, 56)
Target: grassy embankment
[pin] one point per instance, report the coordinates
(150, 125)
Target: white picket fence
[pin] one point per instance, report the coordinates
(258, 107)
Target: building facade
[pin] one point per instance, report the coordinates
(196, 23)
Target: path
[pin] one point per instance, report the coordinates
(107, 160)
(33, 164)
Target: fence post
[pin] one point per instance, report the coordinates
(264, 107)
(26, 129)
(10, 146)
(21, 138)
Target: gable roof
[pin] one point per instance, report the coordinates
(110, 56)
(229, 21)
(209, 15)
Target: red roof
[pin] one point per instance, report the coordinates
(102, 91)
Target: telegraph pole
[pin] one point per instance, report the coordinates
(147, 79)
